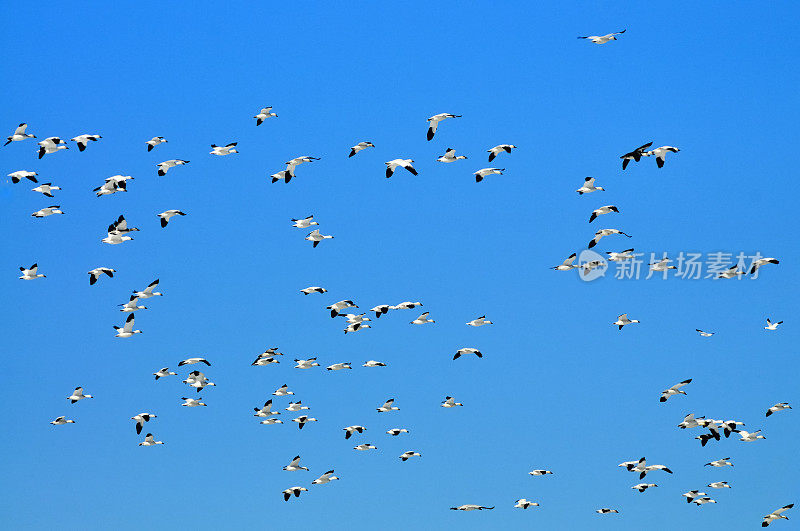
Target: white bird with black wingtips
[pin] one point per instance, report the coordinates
(327, 477)
(127, 329)
(221, 151)
(704, 334)
(449, 401)
(60, 421)
(660, 154)
(771, 325)
(567, 264)
(433, 122)
(306, 364)
(522, 503)
(776, 515)
(51, 145)
(148, 291)
(140, 419)
(153, 142)
(32, 273)
(423, 319)
(602, 39)
(263, 114)
(316, 237)
(388, 406)
(589, 187)
(83, 140)
(192, 361)
(302, 420)
(450, 156)
(19, 134)
(603, 210)
(313, 289)
(164, 372)
(49, 211)
(480, 321)
(635, 155)
(467, 350)
(192, 402)
(97, 272)
(495, 151)
(405, 456)
(18, 175)
(373, 363)
(484, 172)
(167, 215)
(350, 430)
(304, 223)
(164, 167)
(602, 233)
(78, 394)
(762, 262)
(393, 164)
(674, 390)
(780, 406)
(294, 465)
(293, 490)
(150, 441)
(361, 146)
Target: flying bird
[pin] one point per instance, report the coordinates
(327, 477)
(635, 155)
(163, 372)
(83, 140)
(423, 319)
(361, 146)
(393, 164)
(481, 174)
(493, 152)
(450, 156)
(51, 145)
(18, 175)
(780, 406)
(167, 215)
(660, 154)
(150, 441)
(304, 223)
(60, 421)
(263, 114)
(449, 401)
(140, 419)
(602, 233)
(606, 510)
(223, 150)
(97, 272)
(19, 135)
(480, 321)
(762, 261)
(373, 363)
(336, 307)
(623, 320)
(388, 406)
(522, 503)
(77, 394)
(293, 490)
(641, 487)
(771, 325)
(153, 142)
(163, 167)
(127, 329)
(148, 291)
(350, 430)
(294, 465)
(674, 390)
(471, 507)
(704, 334)
(433, 122)
(467, 350)
(567, 264)
(192, 361)
(394, 432)
(589, 187)
(602, 210)
(776, 515)
(540, 472)
(31, 273)
(405, 456)
(602, 39)
(49, 211)
(719, 485)
(316, 237)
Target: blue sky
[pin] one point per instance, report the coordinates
(558, 387)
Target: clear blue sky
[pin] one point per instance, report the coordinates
(558, 388)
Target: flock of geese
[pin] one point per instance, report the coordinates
(120, 232)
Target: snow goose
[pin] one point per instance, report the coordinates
(405, 456)
(313, 289)
(223, 150)
(407, 305)
(780, 406)
(388, 406)
(293, 490)
(192, 361)
(423, 319)
(127, 329)
(393, 164)
(263, 114)
(31, 273)
(567, 264)
(355, 327)
(720, 462)
(719, 485)
(60, 421)
(394, 432)
(747, 436)
(148, 291)
(603, 210)
(339, 366)
(140, 419)
(635, 155)
(660, 154)
(19, 135)
(606, 510)
(689, 421)
(49, 211)
(283, 391)
(758, 263)
(467, 350)
(704, 334)
(730, 426)
(450, 156)
(163, 372)
(265, 410)
(674, 390)
(83, 140)
(589, 187)
(480, 321)
(522, 503)
(380, 310)
(153, 142)
(327, 477)
(294, 465)
(433, 122)
(302, 420)
(110, 187)
(77, 394)
(120, 226)
(150, 441)
(271, 421)
(704, 438)
(51, 145)
(304, 223)
(643, 468)
(336, 307)
(602, 39)
(480, 174)
(471, 507)
(703, 501)
(692, 494)
(198, 380)
(364, 447)
(263, 361)
(163, 167)
(288, 173)
(116, 239)
(306, 364)
(449, 401)
(623, 320)
(493, 152)
(192, 402)
(627, 254)
(296, 406)
(97, 272)
(602, 233)
(132, 305)
(733, 272)
(167, 215)
(641, 487)
(354, 318)
(373, 363)
(771, 325)
(360, 147)
(776, 515)
(18, 175)
(350, 430)
(540, 472)
(316, 237)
